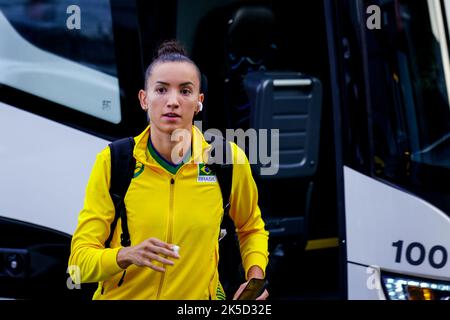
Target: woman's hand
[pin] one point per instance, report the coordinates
(253, 272)
(145, 253)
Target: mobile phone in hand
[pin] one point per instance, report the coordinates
(253, 289)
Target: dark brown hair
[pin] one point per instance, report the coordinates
(170, 51)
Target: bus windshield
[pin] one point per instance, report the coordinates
(409, 85)
(428, 66)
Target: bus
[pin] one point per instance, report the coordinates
(355, 91)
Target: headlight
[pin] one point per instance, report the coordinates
(400, 287)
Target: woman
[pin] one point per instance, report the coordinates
(167, 205)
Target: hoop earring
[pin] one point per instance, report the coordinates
(200, 106)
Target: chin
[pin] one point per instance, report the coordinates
(169, 129)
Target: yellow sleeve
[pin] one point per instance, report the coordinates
(245, 212)
(88, 254)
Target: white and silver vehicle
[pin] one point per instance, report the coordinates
(359, 91)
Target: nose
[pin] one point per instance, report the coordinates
(172, 99)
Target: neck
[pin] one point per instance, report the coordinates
(162, 142)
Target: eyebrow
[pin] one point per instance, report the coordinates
(181, 84)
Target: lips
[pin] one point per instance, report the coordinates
(171, 115)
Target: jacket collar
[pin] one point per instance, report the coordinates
(200, 147)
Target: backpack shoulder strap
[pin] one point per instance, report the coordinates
(122, 170)
(224, 174)
(223, 171)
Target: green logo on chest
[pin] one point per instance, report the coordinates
(205, 174)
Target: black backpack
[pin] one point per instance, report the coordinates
(122, 170)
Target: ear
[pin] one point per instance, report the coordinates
(142, 96)
(201, 98)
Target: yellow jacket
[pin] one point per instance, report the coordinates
(187, 213)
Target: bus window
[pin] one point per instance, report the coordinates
(43, 55)
(409, 80)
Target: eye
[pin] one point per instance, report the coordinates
(186, 91)
(160, 90)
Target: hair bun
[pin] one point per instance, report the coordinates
(171, 47)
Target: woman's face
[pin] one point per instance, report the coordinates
(171, 97)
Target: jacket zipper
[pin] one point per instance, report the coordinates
(169, 232)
